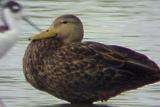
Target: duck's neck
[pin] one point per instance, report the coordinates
(9, 20)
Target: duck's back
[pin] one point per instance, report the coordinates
(124, 53)
(134, 69)
(86, 72)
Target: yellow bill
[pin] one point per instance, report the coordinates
(45, 34)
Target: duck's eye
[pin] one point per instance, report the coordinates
(64, 22)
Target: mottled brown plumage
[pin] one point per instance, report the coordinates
(84, 72)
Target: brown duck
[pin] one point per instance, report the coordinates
(58, 62)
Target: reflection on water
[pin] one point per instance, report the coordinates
(130, 23)
(76, 105)
(1, 103)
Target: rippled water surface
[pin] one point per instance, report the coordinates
(130, 23)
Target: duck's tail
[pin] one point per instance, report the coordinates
(142, 74)
(157, 75)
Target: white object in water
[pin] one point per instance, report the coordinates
(12, 13)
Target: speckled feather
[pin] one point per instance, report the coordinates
(81, 72)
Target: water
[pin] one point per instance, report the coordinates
(134, 24)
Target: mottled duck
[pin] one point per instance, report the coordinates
(58, 62)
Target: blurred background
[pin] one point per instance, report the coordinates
(133, 24)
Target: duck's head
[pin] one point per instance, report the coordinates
(67, 28)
